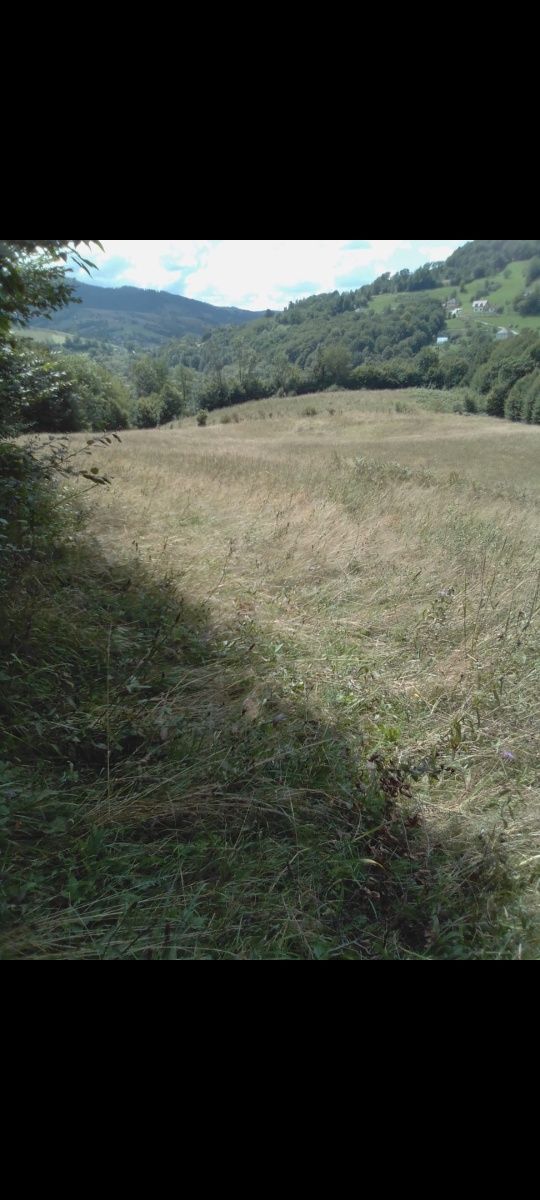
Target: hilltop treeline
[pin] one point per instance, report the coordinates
(477, 259)
(474, 260)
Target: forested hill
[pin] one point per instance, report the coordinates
(138, 316)
(475, 259)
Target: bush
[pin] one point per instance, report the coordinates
(60, 393)
(528, 305)
(202, 417)
(308, 412)
(533, 271)
(496, 400)
(149, 410)
(26, 504)
(532, 406)
(515, 405)
(172, 402)
(470, 402)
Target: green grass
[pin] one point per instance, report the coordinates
(504, 294)
(148, 810)
(49, 337)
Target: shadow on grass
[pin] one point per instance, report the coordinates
(165, 794)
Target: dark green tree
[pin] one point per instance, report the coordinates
(33, 279)
(172, 402)
(149, 375)
(149, 410)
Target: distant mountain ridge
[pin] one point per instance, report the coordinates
(140, 315)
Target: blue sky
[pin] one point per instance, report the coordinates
(256, 274)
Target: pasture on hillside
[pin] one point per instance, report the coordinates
(313, 669)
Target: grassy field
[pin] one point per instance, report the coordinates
(503, 295)
(49, 337)
(301, 654)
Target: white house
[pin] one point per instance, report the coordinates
(441, 341)
(454, 312)
(480, 305)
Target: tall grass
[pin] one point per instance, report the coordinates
(282, 698)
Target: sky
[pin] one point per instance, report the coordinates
(252, 274)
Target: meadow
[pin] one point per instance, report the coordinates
(303, 673)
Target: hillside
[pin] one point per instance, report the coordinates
(137, 318)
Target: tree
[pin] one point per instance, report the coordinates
(59, 392)
(33, 279)
(149, 375)
(172, 402)
(149, 410)
(333, 365)
(533, 270)
(528, 305)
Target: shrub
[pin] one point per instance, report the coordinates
(149, 410)
(470, 402)
(533, 271)
(516, 400)
(202, 417)
(529, 304)
(496, 400)
(172, 402)
(522, 397)
(533, 399)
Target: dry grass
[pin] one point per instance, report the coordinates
(404, 587)
(364, 587)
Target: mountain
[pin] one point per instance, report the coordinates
(138, 317)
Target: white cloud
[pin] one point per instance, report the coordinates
(266, 274)
(150, 264)
(438, 253)
(256, 274)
